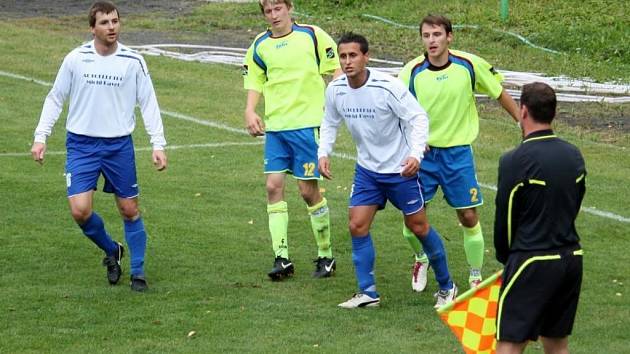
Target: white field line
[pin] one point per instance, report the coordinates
(148, 148)
(590, 210)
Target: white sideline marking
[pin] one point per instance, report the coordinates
(590, 210)
(148, 148)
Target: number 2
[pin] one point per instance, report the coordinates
(473, 195)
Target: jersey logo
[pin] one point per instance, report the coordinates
(330, 53)
(282, 44)
(88, 60)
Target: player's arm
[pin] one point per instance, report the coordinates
(328, 134)
(408, 109)
(53, 105)
(506, 184)
(253, 122)
(147, 100)
(508, 103)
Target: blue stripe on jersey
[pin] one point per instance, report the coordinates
(132, 57)
(87, 53)
(466, 64)
(311, 32)
(257, 59)
(384, 88)
(420, 67)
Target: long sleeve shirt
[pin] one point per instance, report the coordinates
(103, 93)
(540, 190)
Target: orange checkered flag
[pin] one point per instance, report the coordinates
(473, 314)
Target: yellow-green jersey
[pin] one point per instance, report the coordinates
(447, 93)
(288, 71)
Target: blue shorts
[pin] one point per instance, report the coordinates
(90, 157)
(453, 169)
(371, 188)
(294, 152)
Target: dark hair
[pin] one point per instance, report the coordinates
(437, 20)
(540, 100)
(350, 37)
(105, 7)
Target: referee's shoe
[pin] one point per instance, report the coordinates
(113, 265)
(324, 267)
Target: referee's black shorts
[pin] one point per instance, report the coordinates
(539, 294)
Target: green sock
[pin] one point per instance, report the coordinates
(278, 224)
(474, 246)
(320, 223)
(415, 244)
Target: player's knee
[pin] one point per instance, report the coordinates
(419, 229)
(357, 228)
(468, 217)
(129, 211)
(80, 215)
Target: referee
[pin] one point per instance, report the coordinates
(540, 189)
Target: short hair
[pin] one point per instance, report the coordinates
(540, 100)
(437, 20)
(262, 3)
(105, 7)
(350, 37)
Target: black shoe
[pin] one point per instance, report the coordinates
(113, 265)
(138, 283)
(282, 268)
(324, 267)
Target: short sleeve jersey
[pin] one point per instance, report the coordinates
(288, 71)
(448, 94)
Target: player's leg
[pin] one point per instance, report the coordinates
(119, 169)
(365, 199)
(277, 164)
(462, 192)
(504, 347)
(363, 256)
(82, 172)
(303, 144)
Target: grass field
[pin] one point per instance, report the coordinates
(209, 248)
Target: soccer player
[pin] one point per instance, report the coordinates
(104, 80)
(390, 130)
(286, 64)
(540, 190)
(444, 82)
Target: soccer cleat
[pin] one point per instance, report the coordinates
(419, 276)
(324, 267)
(113, 265)
(474, 278)
(445, 296)
(282, 268)
(138, 283)
(360, 300)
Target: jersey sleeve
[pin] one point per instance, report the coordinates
(53, 104)
(506, 182)
(487, 80)
(254, 77)
(327, 50)
(405, 106)
(405, 74)
(147, 100)
(330, 125)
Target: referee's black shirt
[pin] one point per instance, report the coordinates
(540, 190)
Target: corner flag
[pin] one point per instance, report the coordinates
(472, 316)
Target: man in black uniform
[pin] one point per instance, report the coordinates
(540, 190)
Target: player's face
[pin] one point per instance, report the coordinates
(106, 28)
(278, 16)
(436, 40)
(352, 60)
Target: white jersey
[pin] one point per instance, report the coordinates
(103, 91)
(385, 120)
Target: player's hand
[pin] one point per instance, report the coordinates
(159, 160)
(410, 167)
(38, 150)
(324, 167)
(254, 124)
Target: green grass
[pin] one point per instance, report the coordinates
(209, 248)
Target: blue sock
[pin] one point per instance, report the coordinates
(136, 238)
(94, 229)
(363, 258)
(434, 248)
